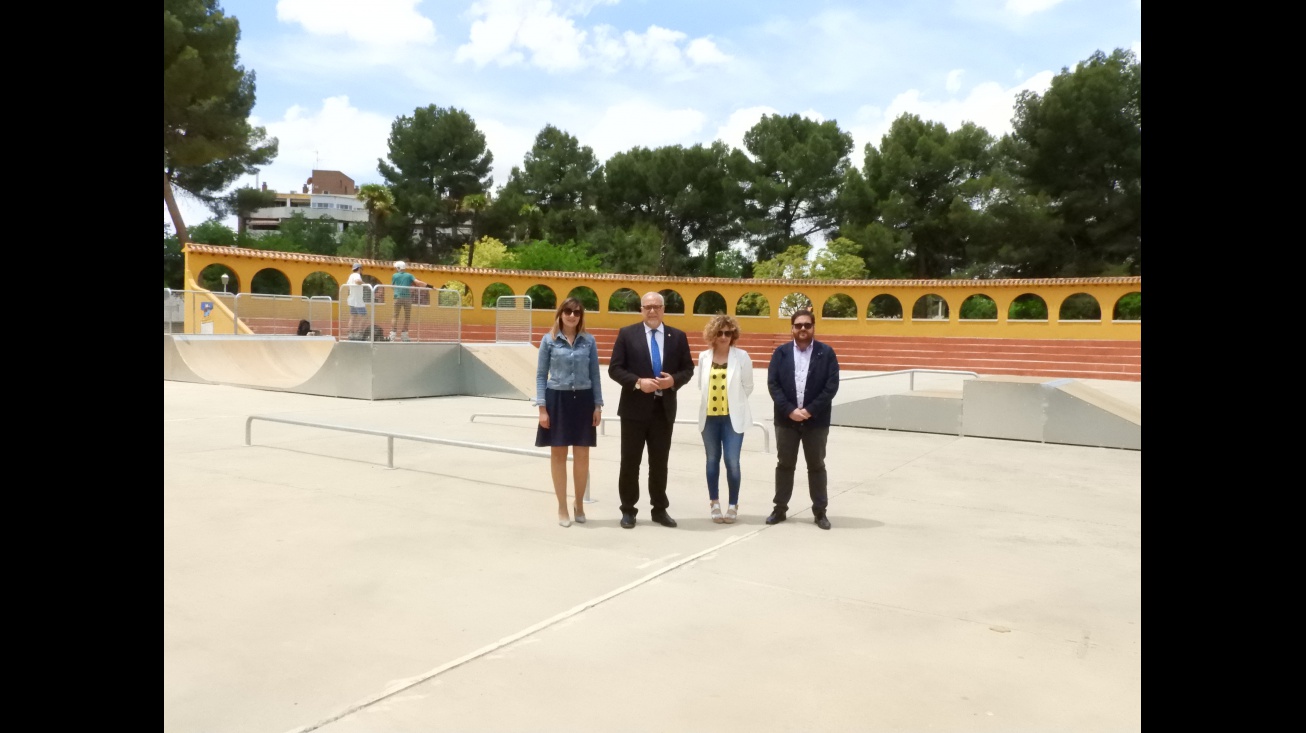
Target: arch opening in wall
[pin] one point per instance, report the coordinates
(465, 300)
(586, 296)
(542, 298)
(320, 283)
(1080, 307)
(930, 307)
(710, 303)
(675, 305)
(270, 281)
(490, 296)
(624, 300)
(979, 307)
(794, 301)
(884, 307)
(1128, 308)
(839, 305)
(210, 278)
(1028, 307)
(753, 304)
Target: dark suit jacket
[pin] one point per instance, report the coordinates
(630, 362)
(818, 394)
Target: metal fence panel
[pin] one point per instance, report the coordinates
(512, 319)
(427, 314)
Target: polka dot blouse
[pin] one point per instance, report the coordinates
(717, 403)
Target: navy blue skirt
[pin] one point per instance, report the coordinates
(571, 419)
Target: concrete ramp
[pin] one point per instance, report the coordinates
(500, 370)
(1036, 409)
(355, 369)
(253, 361)
(919, 411)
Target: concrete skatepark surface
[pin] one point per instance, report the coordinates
(968, 584)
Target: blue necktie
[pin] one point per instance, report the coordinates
(655, 353)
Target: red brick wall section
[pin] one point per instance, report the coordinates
(332, 182)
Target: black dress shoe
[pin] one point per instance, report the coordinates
(822, 522)
(664, 519)
(627, 521)
(776, 517)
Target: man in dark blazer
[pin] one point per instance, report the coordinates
(803, 378)
(650, 360)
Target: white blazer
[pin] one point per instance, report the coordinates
(739, 385)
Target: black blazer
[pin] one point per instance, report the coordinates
(822, 383)
(630, 363)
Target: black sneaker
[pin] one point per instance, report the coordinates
(777, 517)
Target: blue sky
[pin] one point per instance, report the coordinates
(333, 75)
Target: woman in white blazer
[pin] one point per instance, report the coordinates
(725, 380)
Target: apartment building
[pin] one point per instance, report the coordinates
(327, 195)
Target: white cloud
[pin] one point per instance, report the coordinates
(740, 122)
(338, 136)
(1029, 7)
(703, 51)
(543, 34)
(953, 83)
(626, 125)
(656, 48)
(504, 26)
(376, 22)
(988, 105)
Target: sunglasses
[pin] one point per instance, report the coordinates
(804, 326)
(727, 332)
(572, 311)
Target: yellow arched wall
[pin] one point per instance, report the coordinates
(1107, 290)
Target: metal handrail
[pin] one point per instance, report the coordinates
(911, 385)
(603, 424)
(390, 441)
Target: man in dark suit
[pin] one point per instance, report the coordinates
(803, 378)
(650, 360)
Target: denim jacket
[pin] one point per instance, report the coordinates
(568, 367)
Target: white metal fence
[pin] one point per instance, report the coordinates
(512, 319)
(426, 314)
(393, 313)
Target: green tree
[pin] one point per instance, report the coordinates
(687, 194)
(244, 201)
(207, 96)
(380, 204)
(494, 254)
(793, 180)
(212, 231)
(1081, 144)
(474, 203)
(930, 187)
(437, 156)
(174, 263)
(560, 177)
(543, 255)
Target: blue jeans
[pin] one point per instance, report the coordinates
(719, 434)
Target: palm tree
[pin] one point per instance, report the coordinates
(380, 204)
(475, 203)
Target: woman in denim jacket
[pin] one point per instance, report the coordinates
(570, 400)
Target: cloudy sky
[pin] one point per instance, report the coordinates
(333, 75)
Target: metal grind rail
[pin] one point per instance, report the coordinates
(603, 424)
(911, 384)
(390, 437)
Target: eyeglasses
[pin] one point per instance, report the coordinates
(727, 332)
(652, 307)
(804, 326)
(572, 311)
